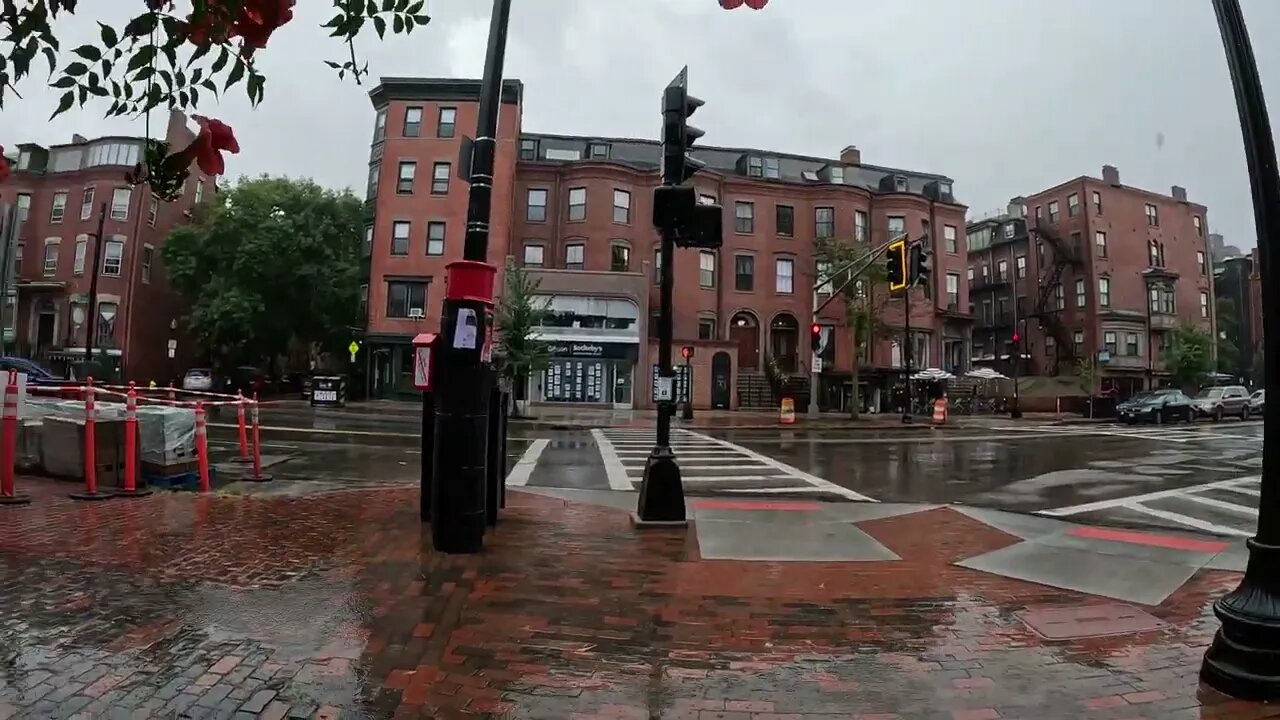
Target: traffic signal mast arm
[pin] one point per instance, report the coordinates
(864, 262)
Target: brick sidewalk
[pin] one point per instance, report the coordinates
(326, 606)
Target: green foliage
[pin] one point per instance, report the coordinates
(1087, 371)
(864, 297)
(273, 262)
(151, 62)
(1190, 356)
(519, 315)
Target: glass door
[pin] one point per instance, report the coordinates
(622, 386)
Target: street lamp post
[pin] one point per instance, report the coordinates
(1244, 659)
(462, 381)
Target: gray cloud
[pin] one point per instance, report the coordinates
(1006, 96)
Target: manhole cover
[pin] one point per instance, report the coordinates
(1085, 621)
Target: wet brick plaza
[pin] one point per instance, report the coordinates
(328, 606)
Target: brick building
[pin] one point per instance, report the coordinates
(58, 191)
(1237, 288)
(1095, 269)
(575, 211)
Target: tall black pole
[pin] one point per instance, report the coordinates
(906, 350)
(462, 381)
(1244, 659)
(91, 328)
(1014, 410)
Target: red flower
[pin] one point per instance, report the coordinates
(206, 150)
(255, 22)
(4, 166)
(730, 4)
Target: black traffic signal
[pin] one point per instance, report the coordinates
(921, 264)
(815, 337)
(678, 136)
(896, 266)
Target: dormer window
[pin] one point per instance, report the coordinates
(528, 149)
(755, 166)
(899, 183)
(771, 169)
(837, 175)
(944, 188)
(809, 175)
(599, 151)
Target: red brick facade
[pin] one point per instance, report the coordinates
(53, 288)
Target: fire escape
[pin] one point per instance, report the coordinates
(1059, 254)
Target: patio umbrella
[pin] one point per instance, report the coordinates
(986, 373)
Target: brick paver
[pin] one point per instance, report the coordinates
(328, 606)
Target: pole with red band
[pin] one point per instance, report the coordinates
(9, 456)
(129, 488)
(90, 491)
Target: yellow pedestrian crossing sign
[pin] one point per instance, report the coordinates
(353, 348)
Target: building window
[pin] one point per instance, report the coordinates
(199, 196)
(755, 167)
(81, 250)
(50, 256)
(533, 256)
(1157, 253)
(24, 206)
(112, 256)
(706, 199)
(380, 126)
(413, 122)
(577, 204)
(17, 259)
(1077, 339)
(897, 226)
(822, 275)
(657, 265)
(363, 303)
(744, 273)
(575, 256)
(149, 259)
(1153, 216)
(824, 223)
(404, 180)
(784, 281)
(86, 204)
(970, 274)
(435, 237)
(1020, 266)
(1104, 292)
(371, 188)
(536, 205)
(1080, 294)
(953, 291)
(1109, 342)
(1100, 243)
(1002, 270)
(1198, 223)
(400, 237)
(619, 258)
(785, 220)
(446, 122)
(1200, 263)
(59, 207)
(528, 149)
(153, 210)
(837, 174)
(1204, 304)
(367, 249)
(1039, 213)
(1073, 205)
(1009, 230)
(120, 203)
(859, 226)
(1059, 297)
(621, 206)
(406, 299)
(771, 170)
(440, 178)
(707, 269)
(706, 328)
(1097, 202)
(949, 238)
(744, 217)
(1131, 344)
(598, 151)
(1053, 211)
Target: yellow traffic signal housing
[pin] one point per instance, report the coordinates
(897, 265)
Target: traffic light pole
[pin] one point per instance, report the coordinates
(815, 366)
(462, 409)
(906, 352)
(1244, 659)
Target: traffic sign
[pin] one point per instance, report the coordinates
(353, 348)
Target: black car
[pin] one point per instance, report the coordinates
(1159, 407)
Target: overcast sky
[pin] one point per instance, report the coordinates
(1005, 96)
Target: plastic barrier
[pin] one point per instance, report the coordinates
(129, 488)
(258, 475)
(91, 491)
(9, 437)
(202, 448)
(243, 457)
(787, 413)
(940, 411)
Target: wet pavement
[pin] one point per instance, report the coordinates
(329, 605)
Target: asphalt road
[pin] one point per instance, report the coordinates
(1201, 477)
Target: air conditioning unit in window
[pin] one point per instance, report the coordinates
(416, 313)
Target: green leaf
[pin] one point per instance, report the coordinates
(397, 24)
(98, 91)
(388, 5)
(68, 99)
(209, 85)
(180, 78)
(64, 82)
(237, 74)
(195, 97)
(421, 19)
(221, 62)
(182, 99)
(51, 58)
(76, 69)
(144, 56)
(140, 26)
(333, 64)
(108, 33)
(88, 52)
(200, 52)
(380, 25)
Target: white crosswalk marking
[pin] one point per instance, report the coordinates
(708, 465)
(1160, 433)
(1226, 507)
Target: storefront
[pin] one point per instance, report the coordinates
(594, 344)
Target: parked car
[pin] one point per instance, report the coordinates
(1159, 407)
(1258, 402)
(36, 375)
(1218, 402)
(200, 379)
(248, 380)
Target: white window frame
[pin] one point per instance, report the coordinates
(148, 260)
(408, 232)
(112, 266)
(529, 253)
(578, 201)
(622, 204)
(153, 210)
(81, 252)
(58, 210)
(434, 242)
(86, 203)
(51, 263)
(706, 269)
(784, 275)
(530, 205)
(949, 237)
(1104, 292)
(120, 210)
(575, 250)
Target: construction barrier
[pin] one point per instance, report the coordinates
(243, 457)
(787, 413)
(257, 475)
(129, 486)
(90, 491)
(202, 448)
(9, 438)
(940, 411)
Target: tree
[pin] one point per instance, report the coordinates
(520, 314)
(1190, 356)
(1230, 360)
(160, 60)
(272, 264)
(862, 305)
(1087, 371)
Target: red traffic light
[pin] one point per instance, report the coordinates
(1016, 337)
(815, 328)
(686, 352)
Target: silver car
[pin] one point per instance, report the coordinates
(198, 379)
(1219, 402)
(1258, 402)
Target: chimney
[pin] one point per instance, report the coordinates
(1179, 193)
(1016, 206)
(851, 155)
(78, 139)
(1110, 175)
(177, 132)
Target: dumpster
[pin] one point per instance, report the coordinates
(328, 390)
